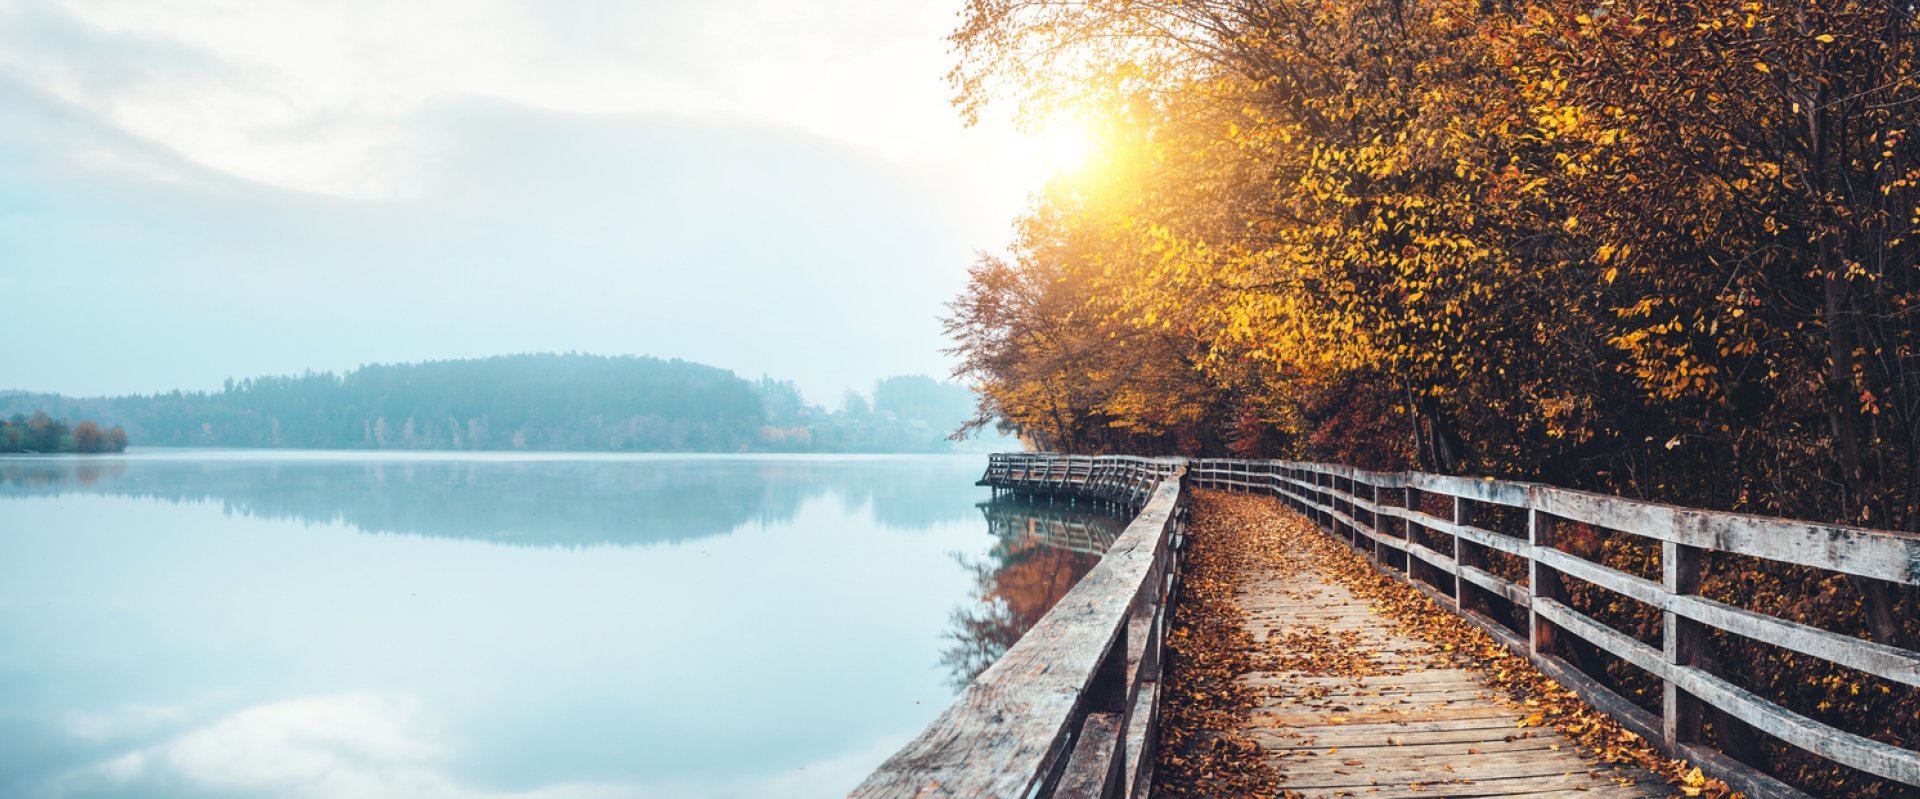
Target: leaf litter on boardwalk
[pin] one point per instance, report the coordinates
(1204, 754)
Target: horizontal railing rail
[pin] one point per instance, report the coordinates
(1386, 515)
(1070, 710)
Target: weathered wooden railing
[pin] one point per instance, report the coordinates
(1070, 710)
(1387, 515)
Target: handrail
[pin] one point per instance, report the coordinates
(1377, 512)
(1070, 710)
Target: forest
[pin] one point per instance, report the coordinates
(530, 402)
(42, 433)
(1665, 249)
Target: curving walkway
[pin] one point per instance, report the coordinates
(1344, 702)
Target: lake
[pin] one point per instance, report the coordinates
(304, 624)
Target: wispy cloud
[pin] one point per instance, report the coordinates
(328, 97)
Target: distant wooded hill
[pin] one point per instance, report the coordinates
(530, 402)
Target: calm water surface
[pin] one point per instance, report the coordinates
(189, 624)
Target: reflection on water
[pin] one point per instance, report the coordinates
(1040, 551)
(348, 625)
(557, 501)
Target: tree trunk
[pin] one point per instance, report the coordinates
(1445, 450)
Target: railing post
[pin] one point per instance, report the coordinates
(1682, 638)
(1379, 548)
(1373, 516)
(1464, 554)
(1542, 582)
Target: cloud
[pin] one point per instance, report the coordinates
(381, 746)
(322, 95)
(133, 721)
(349, 746)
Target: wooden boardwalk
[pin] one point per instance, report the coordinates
(1341, 650)
(1351, 707)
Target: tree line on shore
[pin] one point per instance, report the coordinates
(42, 433)
(1667, 249)
(530, 402)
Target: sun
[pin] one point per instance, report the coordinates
(1063, 146)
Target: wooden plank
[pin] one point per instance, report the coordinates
(1527, 756)
(1619, 582)
(1430, 771)
(1839, 746)
(1361, 700)
(1505, 589)
(1497, 492)
(1442, 562)
(1382, 479)
(1404, 681)
(1487, 538)
(1383, 540)
(1880, 554)
(1143, 735)
(1373, 684)
(1380, 729)
(1321, 719)
(1097, 763)
(1890, 662)
(1583, 786)
(1444, 743)
(1614, 642)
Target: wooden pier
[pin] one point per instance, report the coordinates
(1071, 709)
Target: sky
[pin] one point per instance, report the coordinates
(192, 190)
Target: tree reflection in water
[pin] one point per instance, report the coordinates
(1041, 551)
(513, 499)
